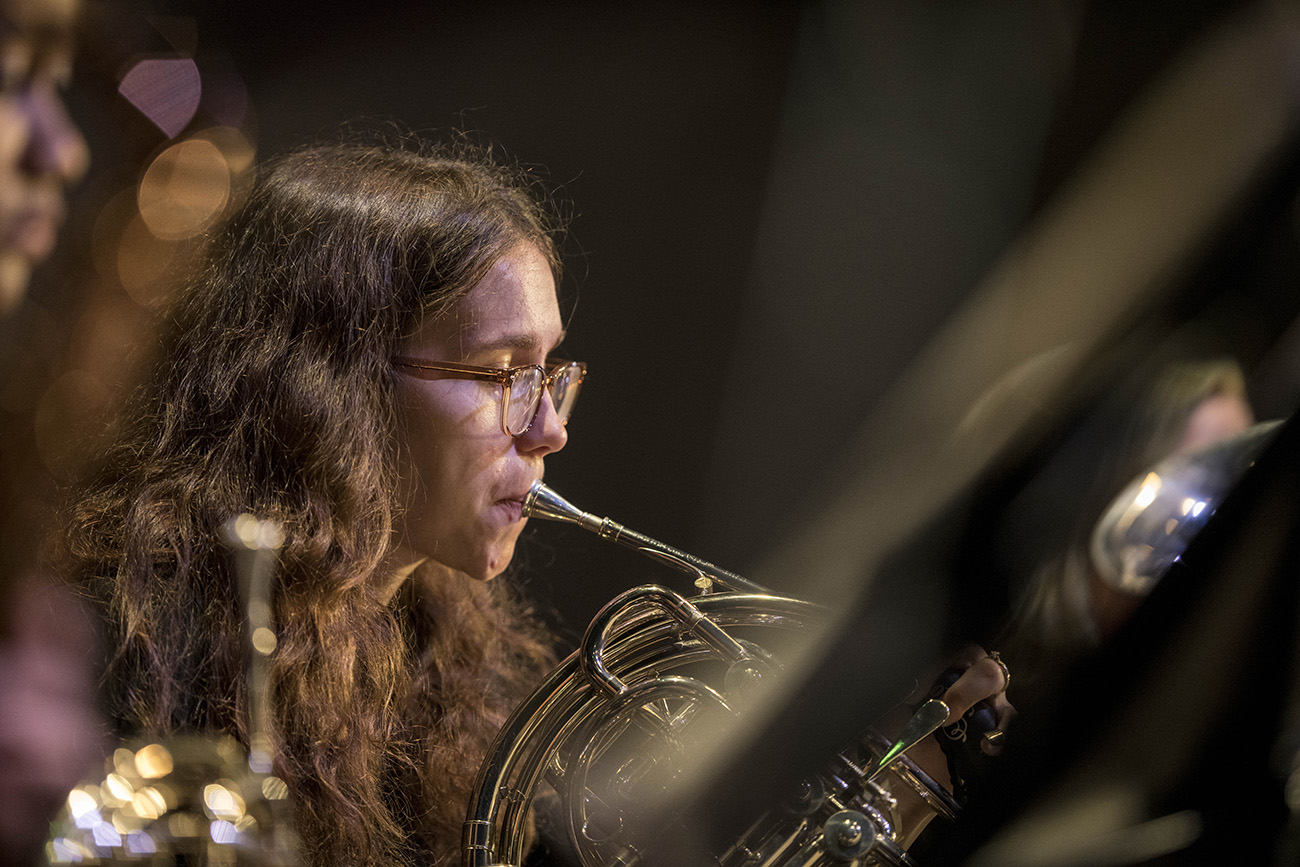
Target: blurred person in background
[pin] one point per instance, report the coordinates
(42, 153)
(1069, 606)
(49, 729)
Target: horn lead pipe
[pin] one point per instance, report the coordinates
(542, 502)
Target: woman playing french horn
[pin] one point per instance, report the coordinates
(365, 354)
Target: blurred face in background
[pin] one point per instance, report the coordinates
(1214, 419)
(42, 153)
(48, 722)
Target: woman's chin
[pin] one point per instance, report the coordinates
(498, 560)
(493, 568)
(481, 562)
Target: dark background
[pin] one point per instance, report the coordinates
(774, 205)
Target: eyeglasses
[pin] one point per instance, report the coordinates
(521, 387)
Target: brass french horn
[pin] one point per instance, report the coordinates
(608, 730)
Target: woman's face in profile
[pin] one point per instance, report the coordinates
(464, 478)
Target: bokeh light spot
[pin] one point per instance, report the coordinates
(185, 189)
(143, 260)
(153, 761)
(165, 90)
(233, 144)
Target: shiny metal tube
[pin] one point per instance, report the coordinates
(548, 735)
(542, 502)
(614, 725)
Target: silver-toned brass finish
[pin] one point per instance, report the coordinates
(927, 718)
(1149, 525)
(542, 502)
(609, 731)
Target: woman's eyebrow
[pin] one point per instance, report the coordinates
(523, 341)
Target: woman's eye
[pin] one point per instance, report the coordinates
(15, 69)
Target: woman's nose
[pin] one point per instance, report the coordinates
(55, 147)
(547, 434)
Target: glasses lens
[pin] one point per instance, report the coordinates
(564, 389)
(522, 400)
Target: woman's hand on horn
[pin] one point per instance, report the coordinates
(973, 683)
(975, 677)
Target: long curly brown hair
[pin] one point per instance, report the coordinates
(272, 394)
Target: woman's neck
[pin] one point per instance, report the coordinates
(398, 568)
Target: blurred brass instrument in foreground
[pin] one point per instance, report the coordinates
(191, 800)
(1149, 524)
(606, 734)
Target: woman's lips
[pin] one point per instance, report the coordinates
(34, 233)
(37, 234)
(511, 509)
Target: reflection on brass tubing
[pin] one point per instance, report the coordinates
(596, 637)
(927, 718)
(613, 729)
(542, 502)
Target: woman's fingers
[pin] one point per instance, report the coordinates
(984, 678)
